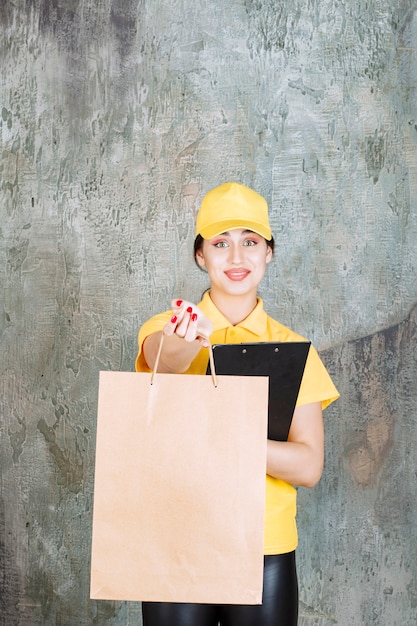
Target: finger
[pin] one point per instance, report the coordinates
(169, 328)
(179, 311)
(176, 304)
(183, 323)
(204, 341)
(192, 330)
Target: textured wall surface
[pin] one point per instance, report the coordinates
(115, 118)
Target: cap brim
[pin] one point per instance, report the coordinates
(222, 227)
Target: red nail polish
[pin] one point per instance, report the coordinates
(174, 319)
(189, 309)
(194, 317)
(178, 302)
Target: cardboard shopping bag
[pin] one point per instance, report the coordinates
(179, 488)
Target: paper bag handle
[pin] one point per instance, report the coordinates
(210, 349)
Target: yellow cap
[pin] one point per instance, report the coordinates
(230, 206)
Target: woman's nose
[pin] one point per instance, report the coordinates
(235, 254)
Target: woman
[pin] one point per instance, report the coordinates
(234, 244)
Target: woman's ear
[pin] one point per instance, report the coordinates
(200, 258)
(269, 254)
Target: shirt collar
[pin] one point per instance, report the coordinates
(255, 322)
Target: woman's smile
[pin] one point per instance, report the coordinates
(237, 274)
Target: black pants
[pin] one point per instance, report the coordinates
(279, 603)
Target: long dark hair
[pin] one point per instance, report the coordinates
(198, 244)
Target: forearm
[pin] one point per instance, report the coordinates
(299, 461)
(296, 463)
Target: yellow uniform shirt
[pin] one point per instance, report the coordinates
(316, 386)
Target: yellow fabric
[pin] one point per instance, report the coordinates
(316, 386)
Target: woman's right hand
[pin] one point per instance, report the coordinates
(189, 323)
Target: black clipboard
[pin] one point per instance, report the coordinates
(282, 362)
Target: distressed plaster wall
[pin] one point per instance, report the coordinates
(116, 117)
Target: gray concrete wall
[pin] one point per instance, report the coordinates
(116, 118)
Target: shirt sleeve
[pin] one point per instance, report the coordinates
(316, 385)
(152, 325)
